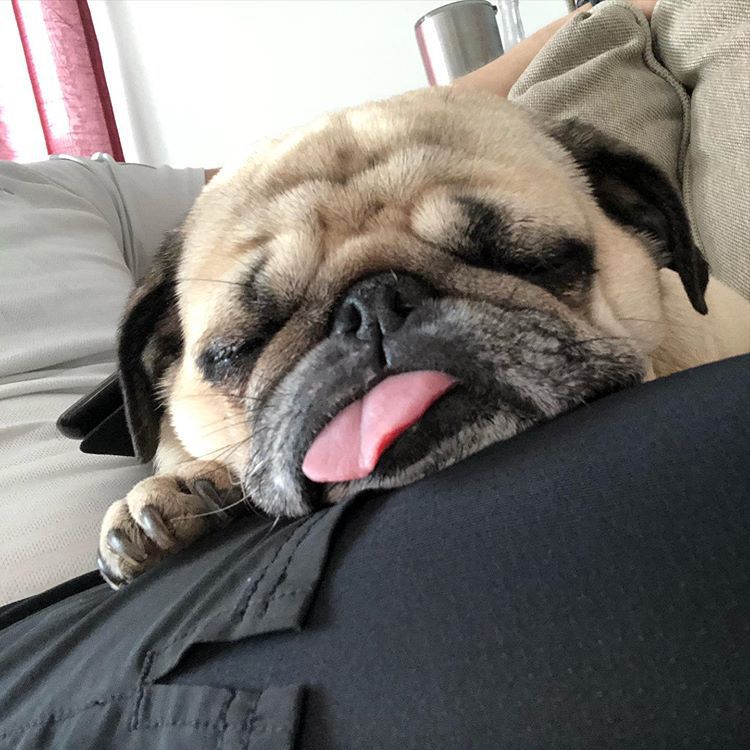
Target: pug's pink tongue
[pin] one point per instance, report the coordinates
(351, 444)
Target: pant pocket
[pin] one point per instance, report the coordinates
(169, 717)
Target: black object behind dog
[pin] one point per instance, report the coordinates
(98, 421)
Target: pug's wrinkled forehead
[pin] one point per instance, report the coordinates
(373, 188)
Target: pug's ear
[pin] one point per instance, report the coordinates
(635, 193)
(150, 340)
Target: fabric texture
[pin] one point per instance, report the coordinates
(602, 67)
(583, 584)
(75, 237)
(706, 46)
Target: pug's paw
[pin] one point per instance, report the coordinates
(161, 515)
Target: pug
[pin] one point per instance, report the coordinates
(378, 295)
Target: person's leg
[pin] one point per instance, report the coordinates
(582, 585)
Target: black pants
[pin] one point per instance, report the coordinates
(584, 585)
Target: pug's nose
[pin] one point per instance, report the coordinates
(378, 306)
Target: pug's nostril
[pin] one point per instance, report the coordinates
(379, 306)
(402, 306)
(392, 310)
(348, 319)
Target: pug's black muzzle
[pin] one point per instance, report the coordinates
(515, 366)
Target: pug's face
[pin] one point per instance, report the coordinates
(379, 295)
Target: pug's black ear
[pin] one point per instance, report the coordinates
(637, 194)
(150, 340)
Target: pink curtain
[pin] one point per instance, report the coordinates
(66, 77)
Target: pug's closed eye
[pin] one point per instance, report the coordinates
(223, 360)
(491, 240)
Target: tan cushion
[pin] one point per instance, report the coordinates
(706, 45)
(601, 68)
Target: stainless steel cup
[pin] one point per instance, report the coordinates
(457, 38)
(510, 23)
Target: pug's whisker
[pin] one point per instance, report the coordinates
(210, 512)
(595, 339)
(204, 395)
(223, 421)
(270, 530)
(221, 428)
(262, 432)
(643, 320)
(251, 411)
(684, 326)
(237, 447)
(242, 284)
(213, 455)
(256, 511)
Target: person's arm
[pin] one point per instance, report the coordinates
(499, 76)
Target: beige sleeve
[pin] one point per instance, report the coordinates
(602, 68)
(706, 46)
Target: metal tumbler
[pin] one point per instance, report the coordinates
(457, 38)
(509, 21)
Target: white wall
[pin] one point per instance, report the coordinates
(195, 81)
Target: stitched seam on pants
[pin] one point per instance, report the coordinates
(240, 610)
(284, 571)
(57, 715)
(248, 726)
(272, 728)
(147, 662)
(208, 726)
(282, 576)
(293, 592)
(221, 722)
(220, 615)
